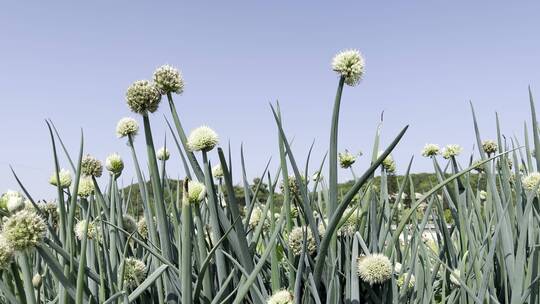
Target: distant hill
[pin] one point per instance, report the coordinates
(421, 183)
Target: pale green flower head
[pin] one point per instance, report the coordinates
(430, 150)
(217, 171)
(374, 268)
(142, 228)
(281, 297)
(114, 164)
(91, 166)
(168, 80)
(451, 151)
(86, 187)
(143, 97)
(257, 215)
(455, 276)
(37, 280)
(129, 223)
(489, 146)
(14, 201)
(530, 181)
(65, 178)
(350, 65)
(49, 209)
(294, 187)
(346, 159)
(163, 154)
(403, 277)
(321, 228)
(483, 195)
(202, 139)
(350, 225)
(24, 230)
(127, 126)
(134, 272)
(6, 253)
(295, 241)
(196, 192)
(93, 230)
(388, 164)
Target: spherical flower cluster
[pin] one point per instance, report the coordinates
(142, 97)
(129, 224)
(483, 195)
(86, 187)
(93, 230)
(297, 236)
(321, 228)
(65, 178)
(256, 217)
(294, 187)
(455, 276)
(489, 146)
(388, 164)
(349, 64)
(217, 171)
(134, 272)
(374, 268)
(202, 139)
(14, 201)
(37, 280)
(163, 154)
(24, 230)
(196, 192)
(6, 253)
(142, 228)
(430, 150)
(531, 181)
(281, 297)
(451, 151)
(127, 126)
(168, 80)
(346, 159)
(91, 166)
(401, 280)
(114, 164)
(350, 225)
(49, 209)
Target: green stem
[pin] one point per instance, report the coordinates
(158, 195)
(27, 274)
(215, 224)
(82, 263)
(287, 204)
(186, 248)
(148, 215)
(333, 163)
(183, 138)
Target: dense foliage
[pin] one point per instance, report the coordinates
(466, 233)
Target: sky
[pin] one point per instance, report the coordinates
(72, 61)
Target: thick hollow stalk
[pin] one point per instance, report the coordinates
(212, 207)
(165, 243)
(158, 195)
(27, 274)
(186, 247)
(332, 155)
(183, 139)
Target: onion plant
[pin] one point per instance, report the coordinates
(473, 238)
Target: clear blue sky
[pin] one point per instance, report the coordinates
(72, 62)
